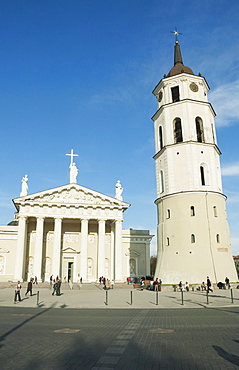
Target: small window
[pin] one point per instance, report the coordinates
(175, 93)
(178, 134)
(202, 175)
(167, 241)
(168, 213)
(215, 211)
(192, 238)
(199, 130)
(192, 211)
(160, 137)
(218, 238)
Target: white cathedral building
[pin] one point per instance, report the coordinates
(71, 232)
(193, 234)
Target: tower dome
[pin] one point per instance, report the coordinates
(178, 63)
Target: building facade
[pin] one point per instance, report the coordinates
(71, 232)
(193, 233)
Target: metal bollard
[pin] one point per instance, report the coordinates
(106, 297)
(207, 297)
(131, 297)
(37, 297)
(231, 295)
(157, 297)
(182, 296)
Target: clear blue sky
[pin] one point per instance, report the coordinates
(79, 74)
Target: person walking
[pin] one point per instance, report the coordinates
(29, 287)
(227, 281)
(54, 287)
(17, 292)
(51, 278)
(209, 284)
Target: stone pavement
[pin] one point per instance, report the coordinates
(118, 339)
(122, 296)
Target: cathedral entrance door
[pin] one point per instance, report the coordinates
(70, 271)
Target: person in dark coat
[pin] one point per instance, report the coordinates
(209, 284)
(58, 287)
(29, 288)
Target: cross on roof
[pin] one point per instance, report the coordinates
(72, 155)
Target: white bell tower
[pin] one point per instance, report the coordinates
(193, 233)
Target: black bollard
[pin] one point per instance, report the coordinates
(207, 297)
(231, 295)
(157, 297)
(182, 296)
(131, 297)
(37, 297)
(106, 297)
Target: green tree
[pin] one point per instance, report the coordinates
(153, 260)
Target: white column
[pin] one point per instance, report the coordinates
(112, 252)
(21, 248)
(118, 251)
(101, 248)
(56, 258)
(84, 249)
(38, 249)
(147, 258)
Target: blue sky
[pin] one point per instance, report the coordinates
(79, 74)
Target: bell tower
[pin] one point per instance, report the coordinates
(193, 233)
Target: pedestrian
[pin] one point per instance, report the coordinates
(187, 286)
(17, 292)
(227, 281)
(180, 285)
(51, 277)
(54, 287)
(35, 281)
(112, 284)
(100, 279)
(29, 287)
(160, 285)
(209, 284)
(58, 287)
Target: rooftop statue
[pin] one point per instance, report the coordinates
(118, 190)
(24, 186)
(73, 169)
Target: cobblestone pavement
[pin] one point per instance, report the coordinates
(66, 338)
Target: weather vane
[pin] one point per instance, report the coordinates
(176, 33)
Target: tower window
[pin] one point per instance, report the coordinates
(204, 173)
(160, 137)
(193, 238)
(199, 130)
(167, 241)
(175, 93)
(192, 211)
(168, 213)
(161, 182)
(218, 238)
(215, 211)
(178, 135)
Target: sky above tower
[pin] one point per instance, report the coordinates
(78, 74)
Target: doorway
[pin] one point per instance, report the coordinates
(70, 271)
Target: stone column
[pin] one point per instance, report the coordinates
(84, 249)
(118, 251)
(101, 248)
(112, 252)
(21, 249)
(56, 258)
(38, 249)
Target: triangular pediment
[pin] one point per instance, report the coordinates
(71, 194)
(3, 250)
(70, 250)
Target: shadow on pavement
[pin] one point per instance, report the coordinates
(234, 359)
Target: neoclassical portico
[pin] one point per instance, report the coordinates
(70, 231)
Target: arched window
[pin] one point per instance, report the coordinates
(193, 238)
(192, 211)
(204, 173)
(177, 126)
(218, 238)
(175, 93)
(199, 130)
(215, 211)
(160, 137)
(161, 182)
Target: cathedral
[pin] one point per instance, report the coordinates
(72, 232)
(193, 239)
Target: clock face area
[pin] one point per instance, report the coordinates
(193, 87)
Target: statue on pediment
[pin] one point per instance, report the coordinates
(73, 173)
(24, 186)
(118, 190)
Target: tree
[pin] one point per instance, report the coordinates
(153, 260)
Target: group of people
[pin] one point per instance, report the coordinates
(107, 284)
(56, 284)
(184, 287)
(19, 287)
